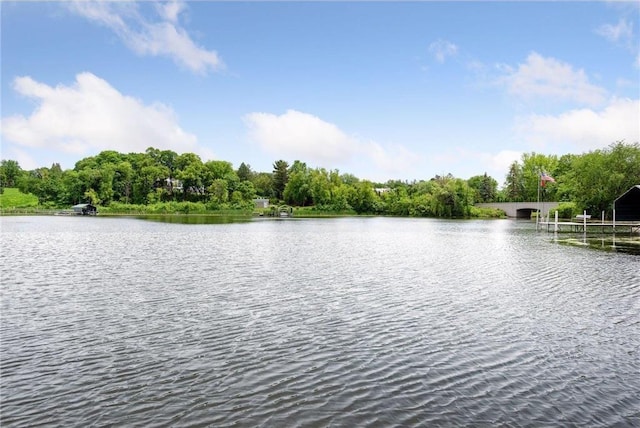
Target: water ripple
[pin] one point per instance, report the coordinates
(349, 322)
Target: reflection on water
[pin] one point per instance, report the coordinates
(336, 322)
(628, 244)
(195, 218)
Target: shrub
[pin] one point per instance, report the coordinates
(486, 212)
(566, 210)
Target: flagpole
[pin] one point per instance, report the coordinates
(543, 186)
(542, 189)
(538, 216)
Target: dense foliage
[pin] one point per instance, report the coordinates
(592, 181)
(164, 181)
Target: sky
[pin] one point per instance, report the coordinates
(380, 90)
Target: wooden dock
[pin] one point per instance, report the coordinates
(590, 226)
(584, 223)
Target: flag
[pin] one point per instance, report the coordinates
(544, 177)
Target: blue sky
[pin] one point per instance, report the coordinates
(381, 90)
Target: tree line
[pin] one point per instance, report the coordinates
(590, 181)
(165, 178)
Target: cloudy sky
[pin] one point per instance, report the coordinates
(381, 90)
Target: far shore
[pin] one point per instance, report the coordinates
(299, 212)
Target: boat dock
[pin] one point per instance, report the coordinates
(585, 224)
(625, 218)
(605, 227)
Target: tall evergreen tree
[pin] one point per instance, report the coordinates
(280, 177)
(244, 172)
(514, 184)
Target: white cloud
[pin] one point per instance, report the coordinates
(622, 34)
(585, 129)
(91, 116)
(171, 10)
(460, 159)
(541, 77)
(501, 161)
(165, 37)
(623, 31)
(392, 160)
(298, 135)
(441, 49)
(24, 159)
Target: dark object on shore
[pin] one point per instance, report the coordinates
(85, 209)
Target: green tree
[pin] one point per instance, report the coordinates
(244, 172)
(280, 178)
(623, 161)
(426, 187)
(462, 197)
(246, 190)
(298, 188)
(533, 165)
(340, 197)
(92, 197)
(600, 176)
(108, 157)
(422, 205)
(485, 188)
(298, 166)
(10, 173)
(263, 183)
(105, 189)
(514, 183)
(105, 177)
(91, 179)
(218, 191)
(451, 197)
(146, 180)
(45, 183)
(89, 162)
(349, 179)
(191, 172)
(123, 181)
(320, 187)
(397, 201)
(362, 198)
(563, 173)
(164, 158)
(72, 188)
(218, 169)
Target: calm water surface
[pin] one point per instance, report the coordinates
(312, 323)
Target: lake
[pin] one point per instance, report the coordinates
(344, 322)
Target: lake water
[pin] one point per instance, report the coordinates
(312, 323)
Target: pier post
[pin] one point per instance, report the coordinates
(584, 221)
(555, 228)
(614, 220)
